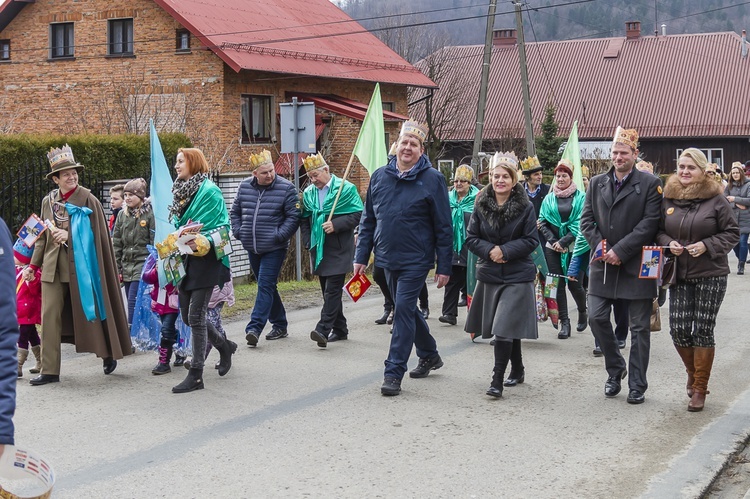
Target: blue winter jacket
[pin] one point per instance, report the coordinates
(8, 337)
(264, 219)
(407, 220)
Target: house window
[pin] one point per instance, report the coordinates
(388, 142)
(4, 50)
(121, 37)
(61, 40)
(183, 40)
(445, 166)
(715, 155)
(256, 119)
(388, 106)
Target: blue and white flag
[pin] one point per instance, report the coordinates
(651, 262)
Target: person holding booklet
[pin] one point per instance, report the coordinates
(407, 220)
(330, 240)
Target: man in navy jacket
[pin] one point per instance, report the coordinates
(8, 339)
(264, 216)
(407, 219)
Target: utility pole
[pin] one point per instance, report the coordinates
(530, 147)
(483, 86)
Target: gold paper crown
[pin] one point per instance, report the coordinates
(258, 160)
(314, 161)
(419, 130)
(464, 172)
(566, 163)
(628, 137)
(61, 157)
(504, 158)
(645, 166)
(530, 163)
(584, 171)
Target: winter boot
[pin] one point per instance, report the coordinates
(179, 359)
(193, 381)
(23, 354)
(564, 328)
(741, 268)
(37, 351)
(165, 355)
(225, 351)
(704, 361)
(687, 354)
(384, 318)
(503, 350)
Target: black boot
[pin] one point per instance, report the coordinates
(193, 381)
(225, 352)
(583, 320)
(564, 328)
(384, 318)
(503, 350)
(165, 354)
(741, 268)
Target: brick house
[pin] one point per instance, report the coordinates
(214, 69)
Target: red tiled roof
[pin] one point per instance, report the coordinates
(666, 86)
(303, 37)
(284, 165)
(342, 105)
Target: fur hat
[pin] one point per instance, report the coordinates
(22, 252)
(137, 187)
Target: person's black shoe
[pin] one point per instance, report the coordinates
(161, 369)
(564, 329)
(514, 380)
(583, 321)
(597, 352)
(319, 338)
(612, 386)
(193, 381)
(43, 379)
(390, 318)
(620, 344)
(492, 342)
(636, 397)
(179, 360)
(226, 351)
(276, 334)
(390, 387)
(109, 365)
(425, 312)
(494, 392)
(252, 338)
(462, 302)
(334, 336)
(383, 318)
(425, 366)
(448, 319)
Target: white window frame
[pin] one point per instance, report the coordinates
(246, 101)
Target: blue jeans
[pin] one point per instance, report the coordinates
(268, 306)
(168, 329)
(409, 325)
(131, 291)
(740, 251)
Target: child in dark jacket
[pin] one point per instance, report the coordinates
(28, 308)
(164, 303)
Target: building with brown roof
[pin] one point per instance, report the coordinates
(676, 90)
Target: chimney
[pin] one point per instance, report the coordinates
(663, 30)
(744, 44)
(504, 37)
(632, 30)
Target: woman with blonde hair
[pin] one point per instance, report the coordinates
(737, 192)
(698, 226)
(502, 233)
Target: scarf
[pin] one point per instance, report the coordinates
(349, 202)
(564, 193)
(87, 262)
(183, 192)
(549, 213)
(458, 208)
(207, 207)
(144, 208)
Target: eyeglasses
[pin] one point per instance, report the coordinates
(460, 181)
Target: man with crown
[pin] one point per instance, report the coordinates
(620, 216)
(81, 300)
(264, 217)
(407, 220)
(535, 187)
(331, 209)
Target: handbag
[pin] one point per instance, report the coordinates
(655, 316)
(668, 272)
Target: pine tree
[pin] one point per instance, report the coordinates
(548, 144)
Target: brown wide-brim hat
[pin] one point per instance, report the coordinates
(77, 166)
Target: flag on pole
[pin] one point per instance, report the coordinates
(161, 188)
(572, 153)
(370, 146)
(651, 262)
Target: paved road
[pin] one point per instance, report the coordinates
(292, 420)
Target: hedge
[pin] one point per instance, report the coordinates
(105, 156)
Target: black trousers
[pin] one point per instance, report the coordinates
(453, 290)
(378, 275)
(332, 314)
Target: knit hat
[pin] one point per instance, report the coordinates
(739, 166)
(564, 165)
(137, 187)
(22, 252)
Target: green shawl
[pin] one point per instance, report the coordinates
(349, 202)
(207, 207)
(549, 213)
(458, 208)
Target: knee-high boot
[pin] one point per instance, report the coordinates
(704, 361)
(23, 354)
(687, 354)
(503, 350)
(37, 351)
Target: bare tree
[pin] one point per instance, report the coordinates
(9, 116)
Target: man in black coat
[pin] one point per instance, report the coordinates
(535, 187)
(622, 208)
(330, 241)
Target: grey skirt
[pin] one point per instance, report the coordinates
(504, 310)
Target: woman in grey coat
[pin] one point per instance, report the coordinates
(737, 192)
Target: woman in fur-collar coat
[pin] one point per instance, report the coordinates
(700, 229)
(502, 232)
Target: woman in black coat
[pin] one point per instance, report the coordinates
(502, 232)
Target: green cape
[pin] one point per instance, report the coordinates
(207, 207)
(549, 213)
(458, 208)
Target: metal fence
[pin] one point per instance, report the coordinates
(22, 189)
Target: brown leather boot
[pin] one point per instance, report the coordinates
(687, 355)
(704, 361)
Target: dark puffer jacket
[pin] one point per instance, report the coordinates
(264, 218)
(512, 227)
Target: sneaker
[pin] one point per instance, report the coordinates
(252, 338)
(276, 334)
(425, 312)
(179, 360)
(390, 387)
(462, 302)
(620, 344)
(161, 369)
(425, 366)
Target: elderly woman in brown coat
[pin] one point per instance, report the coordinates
(700, 229)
